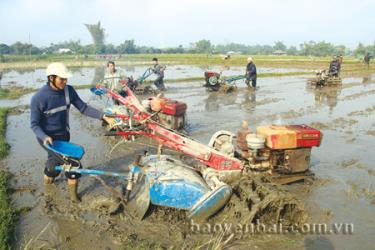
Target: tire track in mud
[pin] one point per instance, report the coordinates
(357, 95)
(366, 112)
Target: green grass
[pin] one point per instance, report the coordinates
(4, 147)
(170, 59)
(8, 216)
(14, 92)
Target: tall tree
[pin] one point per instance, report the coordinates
(203, 46)
(279, 46)
(127, 47)
(5, 49)
(98, 36)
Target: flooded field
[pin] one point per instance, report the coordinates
(343, 191)
(34, 78)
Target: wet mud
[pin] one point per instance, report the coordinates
(342, 191)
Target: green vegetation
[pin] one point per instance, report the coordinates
(310, 48)
(14, 92)
(41, 61)
(7, 215)
(97, 34)
(4, 147)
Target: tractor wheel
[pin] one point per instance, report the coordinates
(213, 80)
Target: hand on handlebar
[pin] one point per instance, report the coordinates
(110, 121)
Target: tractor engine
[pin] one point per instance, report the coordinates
(171, 113)
(211, 77)
(212, 80)
(282, 149)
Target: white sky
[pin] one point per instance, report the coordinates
(164, 23)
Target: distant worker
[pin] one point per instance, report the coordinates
(367, 59)
(334, 67)
(226, 59)
(112, 79)
(251, 73)
(112, 76)
(159, 71)
(50, 119)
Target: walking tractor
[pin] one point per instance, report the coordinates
(138, 86)
(216, 82)
(330, 77)
(250, 163)
(158, 180)
(168, 112)
(324, 78)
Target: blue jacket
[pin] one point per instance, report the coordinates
(251, 71)
(50, 111)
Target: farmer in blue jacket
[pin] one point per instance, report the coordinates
(50, 119)
(251, 73)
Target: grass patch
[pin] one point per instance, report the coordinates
(14, 92)
(13, 62)
(7, 215)
(4, 146)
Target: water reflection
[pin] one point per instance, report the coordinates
(34, 78)
(129, 68)
(366, 78)
(249, 101)
(216, 100)
(98, 75)
(212, 103)
(327, 95)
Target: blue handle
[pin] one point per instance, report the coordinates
(93, 172)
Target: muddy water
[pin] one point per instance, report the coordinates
(36, 77)
(343, 193)
(346, 117)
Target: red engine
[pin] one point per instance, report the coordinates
(211, 77)
(171, 112)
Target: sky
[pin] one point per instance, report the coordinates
(168, 23)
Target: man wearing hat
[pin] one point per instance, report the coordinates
(251, 73)
(50, 119)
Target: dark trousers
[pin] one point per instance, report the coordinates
(253, 82)
(53, 160)
(159, 82)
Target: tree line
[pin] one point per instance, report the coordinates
(310, 48)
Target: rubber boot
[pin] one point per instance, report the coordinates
(73, 187)
(48, 180)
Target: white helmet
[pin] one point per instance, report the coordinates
(249, 59)
(58, 69)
